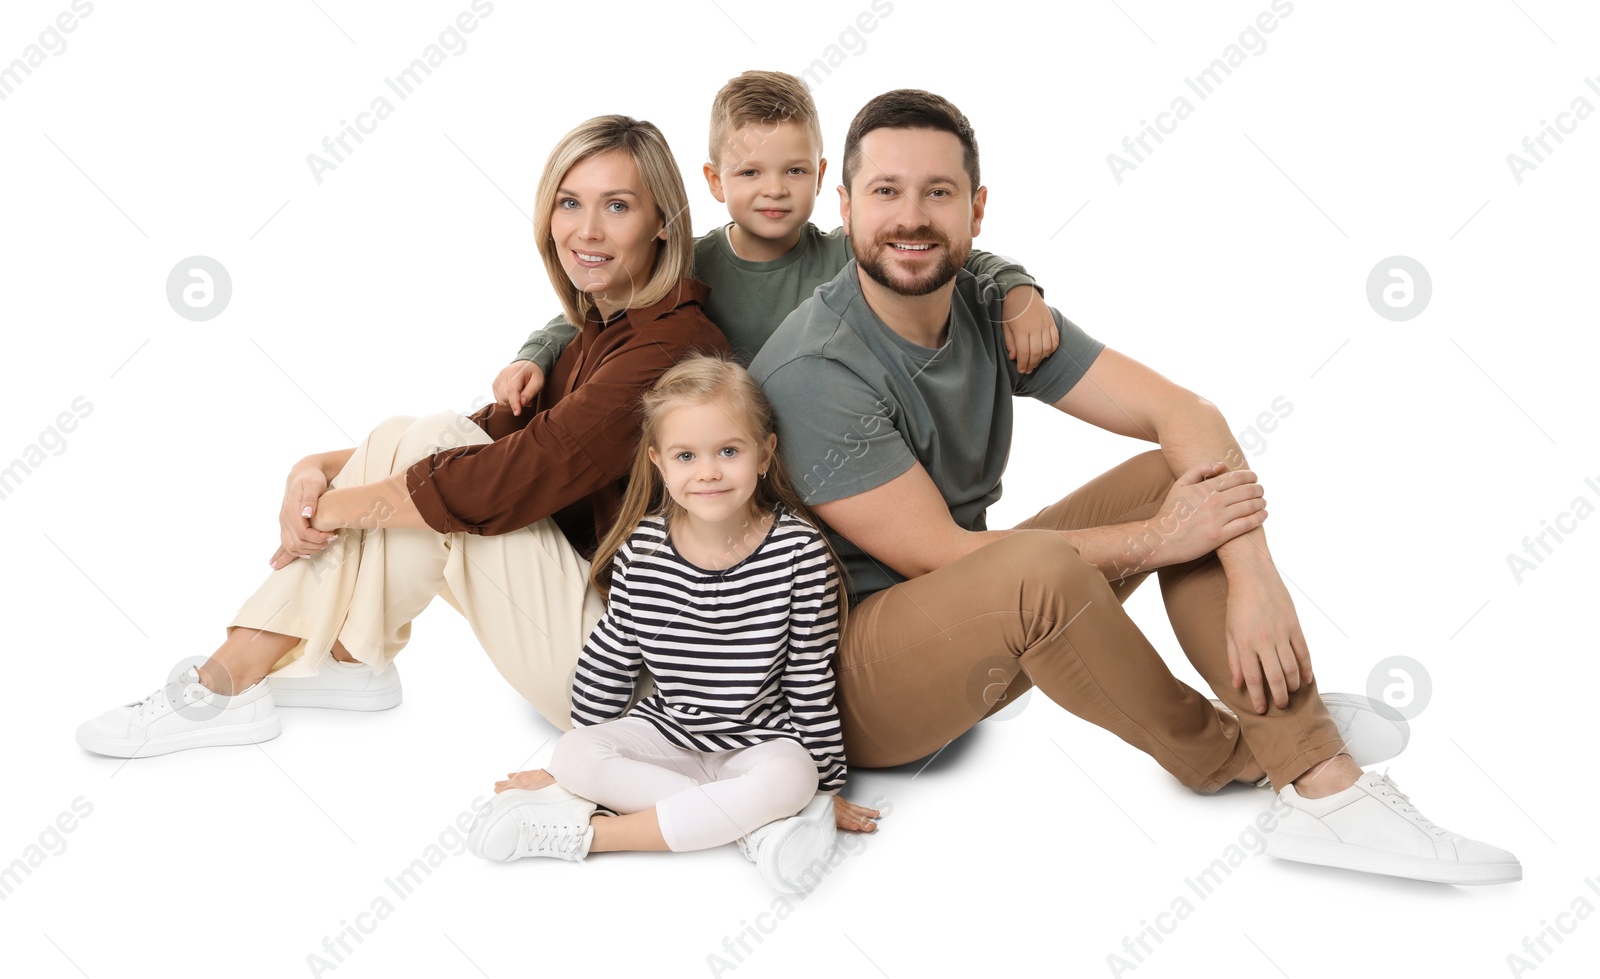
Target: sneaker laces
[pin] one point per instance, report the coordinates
(173, 696)
(536, 838)
(1388, 786)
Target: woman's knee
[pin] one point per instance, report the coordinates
(438, 432)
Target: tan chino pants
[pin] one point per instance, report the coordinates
(922, 662)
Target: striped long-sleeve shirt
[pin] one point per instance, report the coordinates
(739, 656)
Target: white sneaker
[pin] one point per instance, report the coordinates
(340, 686)
(183, 714)
(1373, 827)
(1372, 732)
(547, 822)
(790, 854)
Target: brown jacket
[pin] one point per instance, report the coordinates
(568, 454)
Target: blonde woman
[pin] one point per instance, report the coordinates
(497, 513)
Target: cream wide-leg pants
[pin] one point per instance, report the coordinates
(526, 593)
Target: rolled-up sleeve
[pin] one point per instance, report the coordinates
(575, 448)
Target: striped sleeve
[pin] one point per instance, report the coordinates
(608, 666)
(808, 682)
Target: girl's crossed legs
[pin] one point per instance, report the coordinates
(676, 798)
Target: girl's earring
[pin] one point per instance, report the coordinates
(763, 474)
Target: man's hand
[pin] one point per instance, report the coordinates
(1264, 639)
(1030, 330)
(518, 384)
(1207, 507)
(849, 816)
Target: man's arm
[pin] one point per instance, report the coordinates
(905, 523)
(1267, 651)
(1121, 395)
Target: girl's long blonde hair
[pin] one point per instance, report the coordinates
(694, 380)
(659, 171)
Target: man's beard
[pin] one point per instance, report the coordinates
(874, 261)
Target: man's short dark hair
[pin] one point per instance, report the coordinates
(910, 108)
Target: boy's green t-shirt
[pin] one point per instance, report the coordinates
(749, 299)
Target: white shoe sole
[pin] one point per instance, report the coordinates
(337, 699)
(1328, 853)
(788, 859)
(201, 737)
(295, 692)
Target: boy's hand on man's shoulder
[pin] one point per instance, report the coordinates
(1030, 329)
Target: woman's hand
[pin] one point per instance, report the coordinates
(857, 819)
(304, 488)
(536, 778)
(1207, 507)
(518, 385)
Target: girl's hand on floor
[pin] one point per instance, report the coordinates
(537, 778)
(857, 819)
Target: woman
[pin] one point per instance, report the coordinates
(497, 513)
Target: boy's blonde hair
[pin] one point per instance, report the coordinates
(767, 97)
(659, 171)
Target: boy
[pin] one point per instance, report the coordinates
(766, 148)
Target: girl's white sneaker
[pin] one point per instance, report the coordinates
(182, 714)
(792, 854)
(547, 822)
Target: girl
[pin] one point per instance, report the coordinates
(721, 584)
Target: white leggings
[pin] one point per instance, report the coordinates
(702, 799)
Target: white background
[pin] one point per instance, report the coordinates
(1417, 455)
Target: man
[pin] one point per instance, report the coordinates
(893, 398)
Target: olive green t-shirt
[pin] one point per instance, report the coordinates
(857, 404)
(749, 299)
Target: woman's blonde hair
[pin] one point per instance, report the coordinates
(695, 380)
(659, 171)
